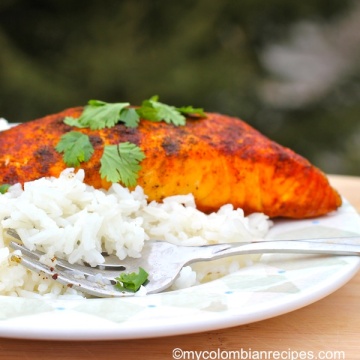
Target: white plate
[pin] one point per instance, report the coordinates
(276, 285)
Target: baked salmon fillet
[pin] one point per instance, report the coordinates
(219, 159)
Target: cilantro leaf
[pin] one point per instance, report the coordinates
(68, 120)
(154, 110)
(130, 117)
(191, 111)
(4, 188)
(121, 163)
(76, 147)
(169, 114)
(132, 281)
(148, 112)
(98, 115)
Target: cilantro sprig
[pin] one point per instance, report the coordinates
(99, 114)
(119, 162)
(131, 281)
(154, 110)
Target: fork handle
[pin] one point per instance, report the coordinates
(331, 246)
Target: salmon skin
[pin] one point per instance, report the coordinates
(219, 159)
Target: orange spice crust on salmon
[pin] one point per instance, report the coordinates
(219, 159)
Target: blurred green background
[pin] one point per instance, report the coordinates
(289, 68)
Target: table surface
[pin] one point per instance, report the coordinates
(329, 329)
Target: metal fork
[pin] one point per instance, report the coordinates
(163, 262)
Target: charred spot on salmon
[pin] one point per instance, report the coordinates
(171, 146)
(96, 140)
(44, 152)
(44, 156)
(131, 135)
(9, 174)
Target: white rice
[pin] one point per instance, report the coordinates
(4, 124)
(66, 218)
